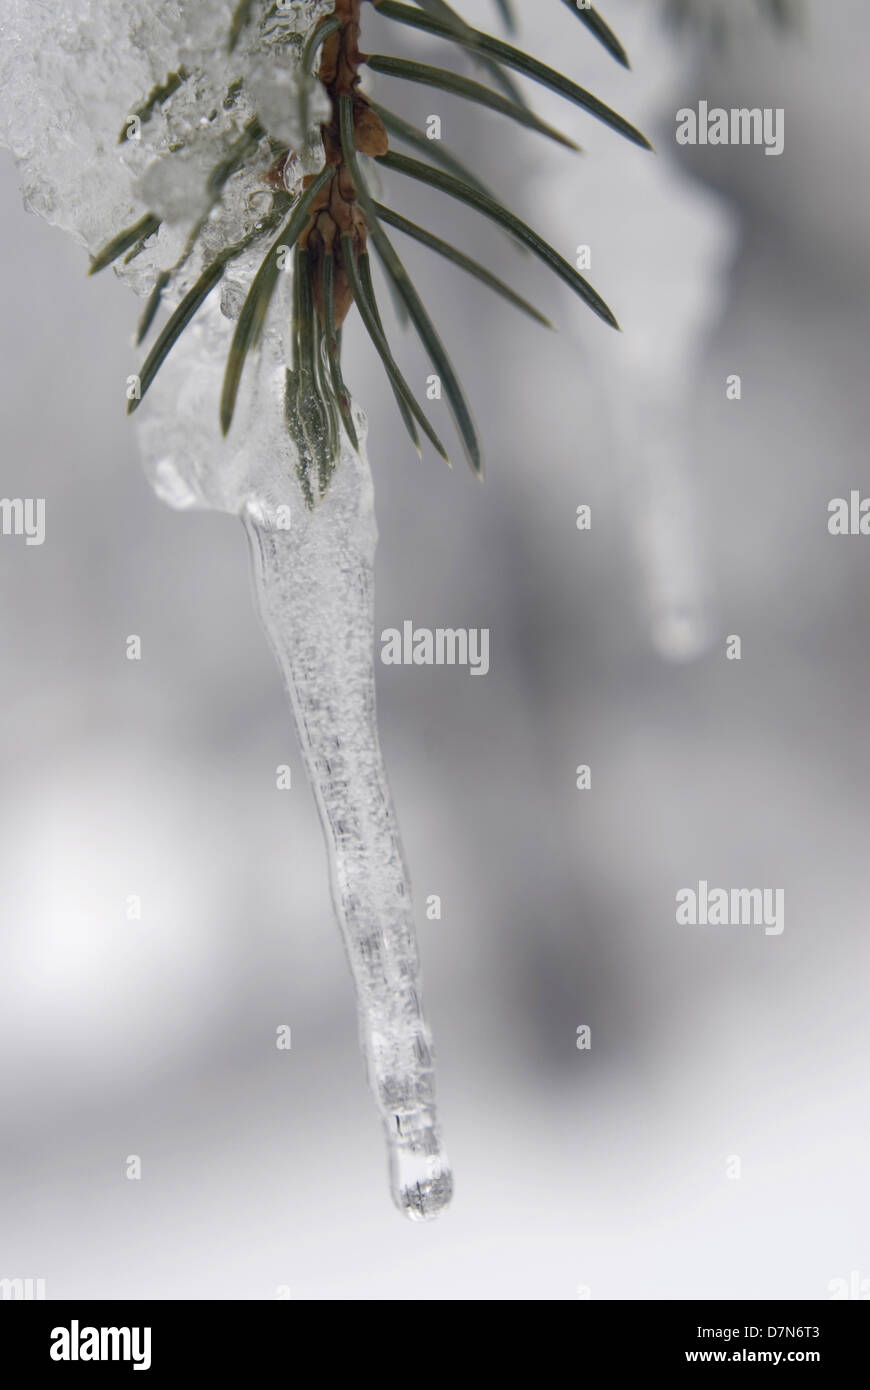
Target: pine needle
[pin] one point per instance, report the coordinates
(452, 82)
(175, 326)
(338, 387)
(316, 37)
(140, 231)
(456, 24)
(450, 253)
(417, 139)
(507, 15)
(446, 183)
(365, 274)
(485, 46)
(603, 33)
(241, 16)
(259, 297)
(156, 97)
(402, 281)
(365, 304)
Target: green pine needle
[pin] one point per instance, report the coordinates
(317, 402)
(507, 15)
(152, 304)
(485, 46)
(247, 141)
(140, 231)
(365, 274)
(446, 183)
(603, 33)
(155, 98)
(400, 278)
(317, 36)
(331, 342)
(259, 297)
(401, 129)
(193, 301)
(309, 406)
(454, 22)
(241, 16)
(451, 82)
(365, 304)
(450, 253)
(175, 326)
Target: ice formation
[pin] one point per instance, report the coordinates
(315, 586)
(71, 76)
(314, 571)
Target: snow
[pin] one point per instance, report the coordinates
(74, 73)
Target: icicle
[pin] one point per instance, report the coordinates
(314, 575)
(315, 592)
(653, 454)
(315, 579)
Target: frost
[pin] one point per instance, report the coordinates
(74, 75)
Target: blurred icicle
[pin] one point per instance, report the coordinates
(662, 246)
(675, 293)
(315, 586)
(656, 468)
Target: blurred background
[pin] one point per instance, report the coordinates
(600, 1173)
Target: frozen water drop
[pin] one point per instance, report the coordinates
(422, 1187)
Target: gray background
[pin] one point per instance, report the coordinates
(601, 1171)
